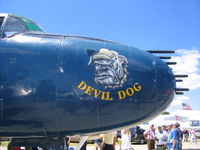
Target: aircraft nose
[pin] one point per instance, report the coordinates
(157, 84)
(146, 90)
(165, 83)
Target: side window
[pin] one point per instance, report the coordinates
(1, 28)
(1, 20)
(13, 26)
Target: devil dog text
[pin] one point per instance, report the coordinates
(107, 95)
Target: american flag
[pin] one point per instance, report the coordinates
(186, 106)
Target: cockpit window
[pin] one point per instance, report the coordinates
(1, 28)
(15, 24)
(1, 20)
(30, 25)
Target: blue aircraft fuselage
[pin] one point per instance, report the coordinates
(58, 85)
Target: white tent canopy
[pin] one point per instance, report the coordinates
(183, 117)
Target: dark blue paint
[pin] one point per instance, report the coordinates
(50, 67)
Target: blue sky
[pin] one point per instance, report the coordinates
(145, 24)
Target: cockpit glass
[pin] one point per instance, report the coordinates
(15, 24)
(30, 25)
(1, 20)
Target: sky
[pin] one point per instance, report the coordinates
(145, 24)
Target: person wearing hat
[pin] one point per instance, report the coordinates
(150, 137)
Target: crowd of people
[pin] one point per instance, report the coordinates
(165, 137)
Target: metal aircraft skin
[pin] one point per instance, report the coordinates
(59, 85)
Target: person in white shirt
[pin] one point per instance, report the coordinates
(161, 138)
(126, 140)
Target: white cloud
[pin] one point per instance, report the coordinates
(187, 63)
(179, 100)
(192, 82)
